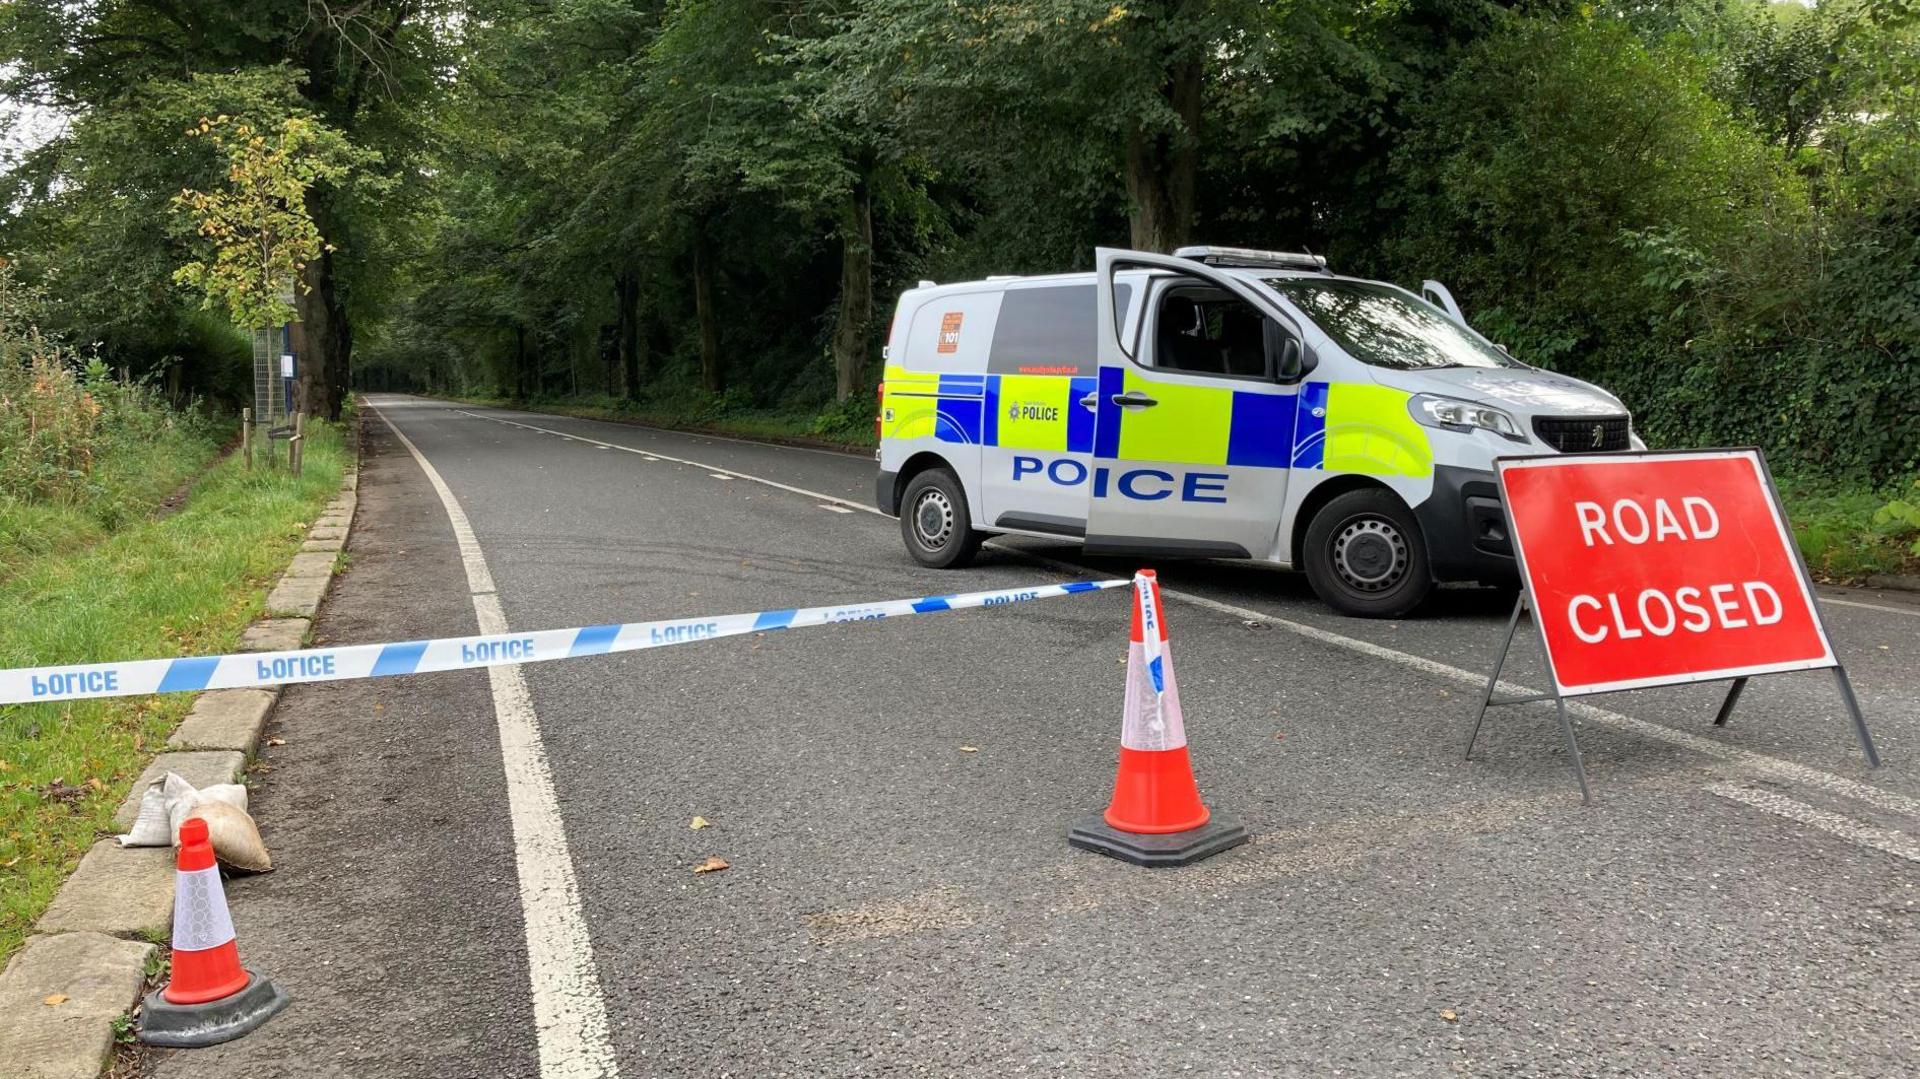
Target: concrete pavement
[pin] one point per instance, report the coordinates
(1738, 904)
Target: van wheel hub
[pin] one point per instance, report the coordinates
(1370, 555)
(933, 519)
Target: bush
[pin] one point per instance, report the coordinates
(73, 438)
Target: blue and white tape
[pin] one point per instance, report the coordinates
(1144, 588)
(26, 685)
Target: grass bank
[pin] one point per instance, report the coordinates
(184, 583)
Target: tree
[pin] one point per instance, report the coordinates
(256, 229)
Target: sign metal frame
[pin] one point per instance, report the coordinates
(1526, 603)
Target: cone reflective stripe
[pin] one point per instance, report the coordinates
(210, 997)
(206, 957)
(1148, 629)
(1156, 816)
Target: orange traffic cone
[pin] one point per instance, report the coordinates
(1156, 817)
(210, 997)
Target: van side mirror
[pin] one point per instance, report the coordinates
(1291, 362)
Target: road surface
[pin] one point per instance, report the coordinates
(490, 873)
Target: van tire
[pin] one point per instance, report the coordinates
(1364, 555)
(935, 521)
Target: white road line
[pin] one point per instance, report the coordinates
(1754, 762)
(655, 455)
(569, 1013)
(1898, 844)
(1910, 612)
(703, 435)
(836, 509)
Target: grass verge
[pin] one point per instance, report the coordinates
(184, 584)
(1845, 536)
(124, 485)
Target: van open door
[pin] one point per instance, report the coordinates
(1437, 294)
(1194, 411)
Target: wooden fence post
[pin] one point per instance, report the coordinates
(246, 436)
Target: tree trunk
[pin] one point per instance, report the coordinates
(327, 333)
(522, 370)
(626, 287)
(856, 291)
(1162, 167)
(712, 374)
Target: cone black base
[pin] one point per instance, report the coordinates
(1168, 850)
(188, 1026)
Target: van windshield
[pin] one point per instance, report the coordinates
(1385, 327)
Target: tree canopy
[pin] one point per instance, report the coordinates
(1710, 206)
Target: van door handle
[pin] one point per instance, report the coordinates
(1133, 399)
(1090, 402)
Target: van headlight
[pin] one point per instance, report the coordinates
(1457, 415)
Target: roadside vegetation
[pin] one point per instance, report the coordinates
(700, 212)
(117, 541)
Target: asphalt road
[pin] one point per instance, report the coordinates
(1740, 902)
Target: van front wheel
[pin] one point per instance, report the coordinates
(1364, 555)
(935, 521)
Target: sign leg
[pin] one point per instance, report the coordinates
(1573, 749)
(1859, 722)
(1499, 661)
(1726, 706)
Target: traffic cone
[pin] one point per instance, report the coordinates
(210, 998)
(1156, 817)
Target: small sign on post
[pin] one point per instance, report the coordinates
(1658, 568)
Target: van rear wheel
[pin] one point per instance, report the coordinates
(1365, 556)
(935, 521)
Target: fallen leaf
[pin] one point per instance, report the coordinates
(276, 741)
(969, 749)
(1279, 736)
(5, 766)
(711, 865)
(699, 823)
(1449, 1015)
(96, 784)
(54, 1000)
(11, 862)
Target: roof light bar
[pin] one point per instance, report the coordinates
(1251, 258)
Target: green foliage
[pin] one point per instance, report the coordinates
(80, 451)
(256, 229)
(1901, 518)
(699, 210)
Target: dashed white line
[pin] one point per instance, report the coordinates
(834, 508)
(1754, 762)
(569, 1012)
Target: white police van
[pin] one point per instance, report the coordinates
(1220, 402)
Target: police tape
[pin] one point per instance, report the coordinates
(25, 685)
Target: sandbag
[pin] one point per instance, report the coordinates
(169, 801)
(236, 839)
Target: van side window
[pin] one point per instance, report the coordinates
(1049, 330)
(1205, 331)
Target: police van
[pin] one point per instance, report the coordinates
(1220, 403)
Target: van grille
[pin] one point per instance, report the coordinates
(1582, 434)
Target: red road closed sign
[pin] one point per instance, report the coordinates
(1657, 568)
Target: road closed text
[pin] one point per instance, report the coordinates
(1656, 611)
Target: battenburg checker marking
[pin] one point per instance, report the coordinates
(26, 685)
